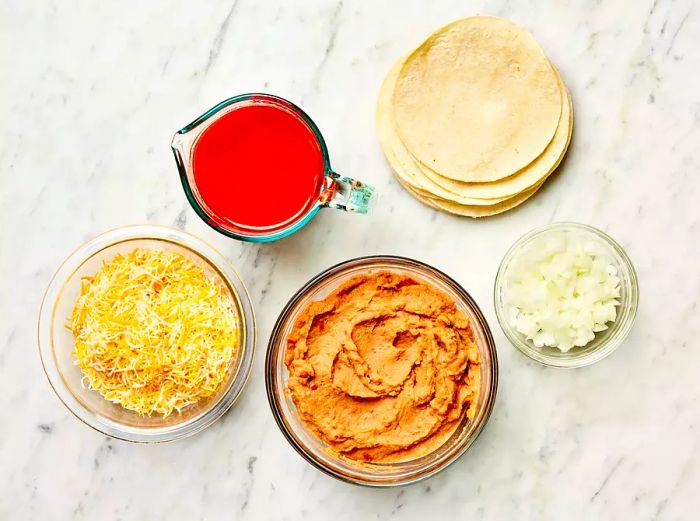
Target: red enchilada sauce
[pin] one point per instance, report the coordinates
(258, 166)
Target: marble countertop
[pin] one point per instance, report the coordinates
(91, 95)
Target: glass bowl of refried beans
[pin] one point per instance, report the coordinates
(381, 371)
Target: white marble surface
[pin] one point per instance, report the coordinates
(93, 91)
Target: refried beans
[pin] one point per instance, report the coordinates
(384, 368)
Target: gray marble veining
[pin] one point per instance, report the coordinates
(91, 95)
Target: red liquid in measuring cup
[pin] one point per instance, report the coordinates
(258, 166)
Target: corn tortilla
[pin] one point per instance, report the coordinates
(540, 169)
(400, 160)
(488, 78)
(469, 210)
(424, 179)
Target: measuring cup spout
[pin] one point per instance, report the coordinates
(182, 141)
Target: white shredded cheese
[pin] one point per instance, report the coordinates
(561, 290)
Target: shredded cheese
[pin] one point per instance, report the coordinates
(153, 333)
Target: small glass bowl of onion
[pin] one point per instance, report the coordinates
(566, 295)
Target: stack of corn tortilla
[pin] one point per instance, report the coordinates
(475, 119)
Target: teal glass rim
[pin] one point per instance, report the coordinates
(209, 117)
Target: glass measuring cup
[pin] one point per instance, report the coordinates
(257, 175)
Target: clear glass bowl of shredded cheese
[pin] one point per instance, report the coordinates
(147, 334)
(566, 295)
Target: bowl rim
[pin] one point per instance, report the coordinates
(415, 475)
(573, 361)
(207, 253)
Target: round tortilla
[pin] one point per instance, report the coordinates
(484, 211)
(537, 171)
(469, 210)
(488, 78)
(400, 160)
(423, 178)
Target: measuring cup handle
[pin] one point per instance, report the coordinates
(345, 193)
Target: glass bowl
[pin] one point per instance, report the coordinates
(314, 450)
(605, 342)
(56, 341)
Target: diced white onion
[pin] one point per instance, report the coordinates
(561, 291)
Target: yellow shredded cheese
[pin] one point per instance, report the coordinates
(153, 333)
